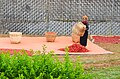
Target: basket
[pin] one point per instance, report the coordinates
(79, 29)
(50, 36)
(75, 38)
(81, 33)
(15, 37)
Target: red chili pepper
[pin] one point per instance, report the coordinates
(76, 48)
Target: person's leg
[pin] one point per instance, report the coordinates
(83, 40)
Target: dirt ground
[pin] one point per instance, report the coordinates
(98, 61)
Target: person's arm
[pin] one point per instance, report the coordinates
(87, 26)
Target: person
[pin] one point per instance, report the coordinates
(83, 39)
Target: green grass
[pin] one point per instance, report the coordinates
(112, 70)
(106, 73)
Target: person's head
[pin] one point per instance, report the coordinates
(84, 18)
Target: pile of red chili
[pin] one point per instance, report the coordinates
(107, 39)
(12, 51)
(75, 48)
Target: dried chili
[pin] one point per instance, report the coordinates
(75, 48)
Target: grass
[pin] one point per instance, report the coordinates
(106, 73)
(104, 66)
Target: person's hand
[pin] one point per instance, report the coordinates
(84, 28)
